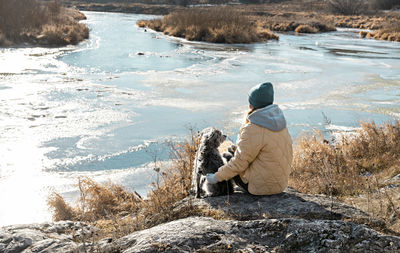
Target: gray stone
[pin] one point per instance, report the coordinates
(286, 222)
(44, 237)
(206, 234)
(289, 204)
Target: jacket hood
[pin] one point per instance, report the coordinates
(270, 117)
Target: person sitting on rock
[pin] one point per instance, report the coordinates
(262, 160)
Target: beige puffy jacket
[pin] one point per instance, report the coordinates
(264, 153)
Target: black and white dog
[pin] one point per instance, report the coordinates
(208, 160)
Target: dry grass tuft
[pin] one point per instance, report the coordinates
(355, 168)
(96, 202)
(61, 209)
(218, 25)
(340, 165)
(390, 32)
(40, 22)
(297, 22)
(118, 212)
(306, 29)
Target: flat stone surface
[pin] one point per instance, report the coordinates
(286, 222)
(204, 234)
(289, 204)
(44, 237)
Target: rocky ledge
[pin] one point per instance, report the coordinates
(286, 222)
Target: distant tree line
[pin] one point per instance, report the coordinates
(177, 2)
(354, 7)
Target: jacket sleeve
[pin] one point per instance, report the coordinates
(248, 147)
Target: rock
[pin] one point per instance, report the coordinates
(286, 222)
(289, 204)
(206, 234)
(45, 237)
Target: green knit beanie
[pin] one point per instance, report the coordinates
(261, 95)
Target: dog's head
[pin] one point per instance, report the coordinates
(212, 137)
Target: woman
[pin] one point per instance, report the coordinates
(262, 160)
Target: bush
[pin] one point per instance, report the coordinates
(337, 168)
(219, 25)
(391, 32)
(21, 14)
(346, 7)
(306, 29)
(40, 22)
(118, 212)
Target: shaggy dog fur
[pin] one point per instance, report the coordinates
(208, 160)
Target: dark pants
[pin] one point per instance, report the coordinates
(240, 183)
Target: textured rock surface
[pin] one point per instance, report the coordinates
(205, 234)
(289, 204)
(286, 222)
(44, 237)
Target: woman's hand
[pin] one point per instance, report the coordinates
(211, 178)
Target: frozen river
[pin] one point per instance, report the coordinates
(103, 108)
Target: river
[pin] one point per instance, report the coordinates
(105, 107)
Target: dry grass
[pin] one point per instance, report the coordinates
(39, 22)
(306, 29)
(390, 33)
(118, 212)
(300, 22)
(218, 25)
(355, 167)
(63, 34)
(318, 163)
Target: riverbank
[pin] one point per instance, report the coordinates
(32, 23)
(216, 25)
(361, 168)
(286, 16)
(109, 218)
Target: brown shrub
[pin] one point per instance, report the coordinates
(391, 32)
(141, 23)
(61, 209)
(306, 29)
(40, 22)
(18, 15)
(54, 7)
(219, 25)
(291, 21)
(267, 34)
(119, 212)
(96, 202)
(336, 169)
(355, 169)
